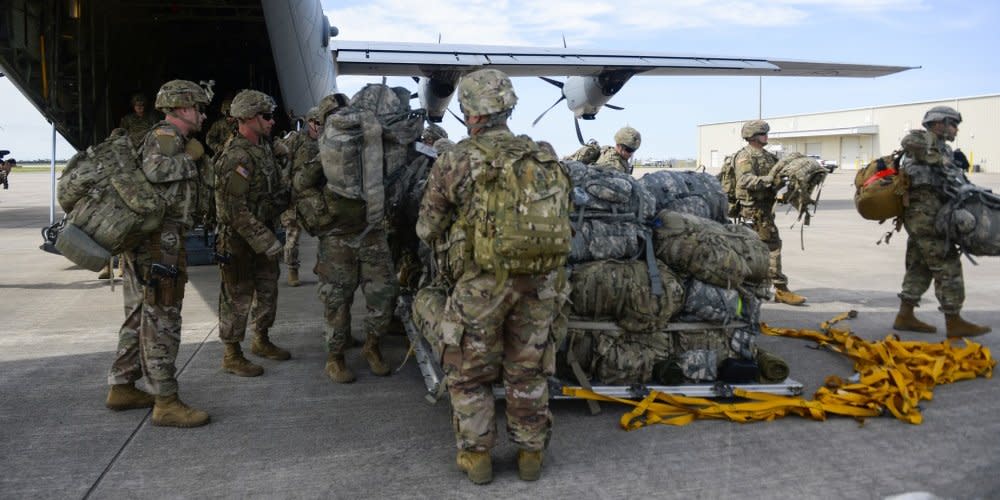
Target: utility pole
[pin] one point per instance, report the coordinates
(760, 97)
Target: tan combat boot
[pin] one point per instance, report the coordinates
(337, 369)
(170, 411)
(293, 277)
(478, 465)
(785, 296)
(907, 321)
(958, 327)
(262, 346)
(529, 464)
(127, 397)
(370, 351)
(234, 362)
(105, 273)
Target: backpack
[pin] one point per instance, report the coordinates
(727, 177)
(587, 154)
(880, 188)
(111, 206)
(519, 214)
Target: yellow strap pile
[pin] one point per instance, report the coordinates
(894, 376)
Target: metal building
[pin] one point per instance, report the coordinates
(853, 137)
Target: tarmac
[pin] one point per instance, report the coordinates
(291, 433)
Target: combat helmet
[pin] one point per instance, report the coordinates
(628, 137)
(941, 113)
(249, 103)
(403, 94)
(226, 104)
(754, 127)
(486, 92)
(137, 98)
(313, 115)
(180, 94)
(432, 133)
(329, 104)
(377, 98)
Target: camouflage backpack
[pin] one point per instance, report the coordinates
(520, 207)
(727, 177)
(110, 204)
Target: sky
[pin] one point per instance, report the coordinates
(953, 42)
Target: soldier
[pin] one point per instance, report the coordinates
(432, 133)
(443, 145)
(301, 147)
(249, 198)
(930, 256)
(353, 253)
(222, 129)
(627, 141)
(139, 121)
(757, 191)
(156, 271)
(5, 169)
(493, 323)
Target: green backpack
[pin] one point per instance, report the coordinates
(520, 209)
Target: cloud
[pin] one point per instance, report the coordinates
(519, 22)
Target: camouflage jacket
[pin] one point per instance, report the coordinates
(250, 194)
(217, 135)
(754, 187)
(611, 159)
(928, 176)
(172, 172)
(136, 126)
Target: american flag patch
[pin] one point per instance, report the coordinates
(243, 171)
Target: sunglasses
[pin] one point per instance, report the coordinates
(267, 116)
(627, 149)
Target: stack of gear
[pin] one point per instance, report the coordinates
(695, 193)
(110, 205)
(803, 176)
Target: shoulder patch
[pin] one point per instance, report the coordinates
(240, 169)
(165, 131)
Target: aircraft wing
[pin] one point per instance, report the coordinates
(424, 59)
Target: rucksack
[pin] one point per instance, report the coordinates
(880, 188)
(727, 177)
(519, 214)
(111, 206)
(587, 154)
(804, 176)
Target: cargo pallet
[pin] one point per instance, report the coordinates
(434, 376)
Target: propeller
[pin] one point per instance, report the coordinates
(562, 97)
(459, 118)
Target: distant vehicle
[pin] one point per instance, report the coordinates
(830, 166)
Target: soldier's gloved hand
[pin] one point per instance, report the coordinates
(274, 250)
(778, 181)
(767, 180)
(194, 149)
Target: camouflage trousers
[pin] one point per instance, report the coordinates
(489, 333)
(932, 259)
(763, 224)
(150, 336)
(342, 265)
(292, 233)
(249, 290)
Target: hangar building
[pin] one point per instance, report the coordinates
(853, 137)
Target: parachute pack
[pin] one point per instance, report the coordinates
(690, 192)
(110, 205)
(520, 210)
(880, 188)
(804, 178)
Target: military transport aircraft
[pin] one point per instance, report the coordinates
(79, 62)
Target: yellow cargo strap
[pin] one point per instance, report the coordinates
(893, 376)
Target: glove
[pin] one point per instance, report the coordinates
(274, 250)
(778, 181)
(767, 180)
(194, 149)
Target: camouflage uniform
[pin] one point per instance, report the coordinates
(587, 154)
(928, 255)
(490, 326)
(220, 132)
(249, 198)
(150, 336)
(756, 192)
(136, 126)
(300, 148)
(610, 158)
